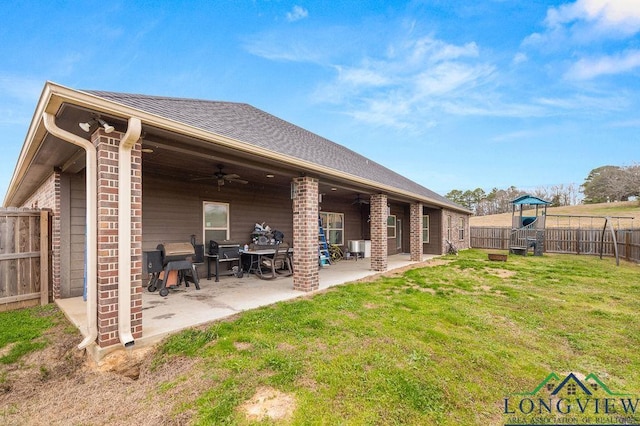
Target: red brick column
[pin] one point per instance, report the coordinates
(379, 215)
(107, 281)
(305, 234)
(415, 223)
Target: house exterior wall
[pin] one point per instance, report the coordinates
(435, 243)
(355, 219)
(73, 217)
(453, 234)
(394, 245)
(47, 196)
(172, 210)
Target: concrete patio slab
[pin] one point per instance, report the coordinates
(186, 307)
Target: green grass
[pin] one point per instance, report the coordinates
(438, 345)
(21, 331)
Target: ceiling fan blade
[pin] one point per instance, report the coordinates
(242, 181)
(231, 176)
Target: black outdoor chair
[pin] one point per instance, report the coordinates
(278, 265)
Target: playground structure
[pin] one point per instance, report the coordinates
(528, 231)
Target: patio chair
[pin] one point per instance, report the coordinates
(278, 265)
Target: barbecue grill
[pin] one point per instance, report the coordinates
(171, 264)
(224, 249)
(224, 252)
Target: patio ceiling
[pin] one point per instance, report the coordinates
(170, 155)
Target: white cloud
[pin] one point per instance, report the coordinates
(520, 58)
(297, 13)
(611, 15)
(408, 84)
(582, 28)
(361, 77)
(589, 104)
(583, 21)
(431, 50)
(586, 69)
(295, 48)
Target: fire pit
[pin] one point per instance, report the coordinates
(497, 257)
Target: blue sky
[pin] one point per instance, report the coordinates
(452, 94)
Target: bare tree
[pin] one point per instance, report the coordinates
(611, 183)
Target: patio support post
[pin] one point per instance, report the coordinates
(415, 223)
(304, 192)
(107, 146)
(379, 216)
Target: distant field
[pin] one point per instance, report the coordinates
(626, 209)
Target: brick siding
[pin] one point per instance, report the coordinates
(47, 196)
(305, 234)
(453, 234)
(379, 214)
(415, 234)
(107, 154)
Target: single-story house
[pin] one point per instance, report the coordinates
(123, 173)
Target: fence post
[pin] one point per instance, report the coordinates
(44, 257)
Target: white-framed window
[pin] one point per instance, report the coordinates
(425, 229)
(391, 226)
(333, 224)
(449, 227)
(215, 221)
(461, 228)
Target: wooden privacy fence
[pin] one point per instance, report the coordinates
(566, 240)
(24, 258)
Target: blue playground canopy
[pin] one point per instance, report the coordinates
(530, 200)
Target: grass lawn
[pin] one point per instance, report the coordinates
(444, 344)
(21, 331)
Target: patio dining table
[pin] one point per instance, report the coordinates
(255, 257)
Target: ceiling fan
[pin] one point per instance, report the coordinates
(359, 200)
(222, 177)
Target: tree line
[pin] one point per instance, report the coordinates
(603, 184)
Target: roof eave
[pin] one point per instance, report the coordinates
(55, 95)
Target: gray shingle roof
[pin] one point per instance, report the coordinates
(250, 125)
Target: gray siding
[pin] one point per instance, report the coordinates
(434, 246)
(172, 211)
(72, 234)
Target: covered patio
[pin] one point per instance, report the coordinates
(164, 170)
(187, 307)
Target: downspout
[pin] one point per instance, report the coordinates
(92, 222)
(127, 142)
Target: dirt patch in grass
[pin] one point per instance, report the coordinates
(502, 273)
(243, 346)
(59, 386)
(269, 404)
(399, 271)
